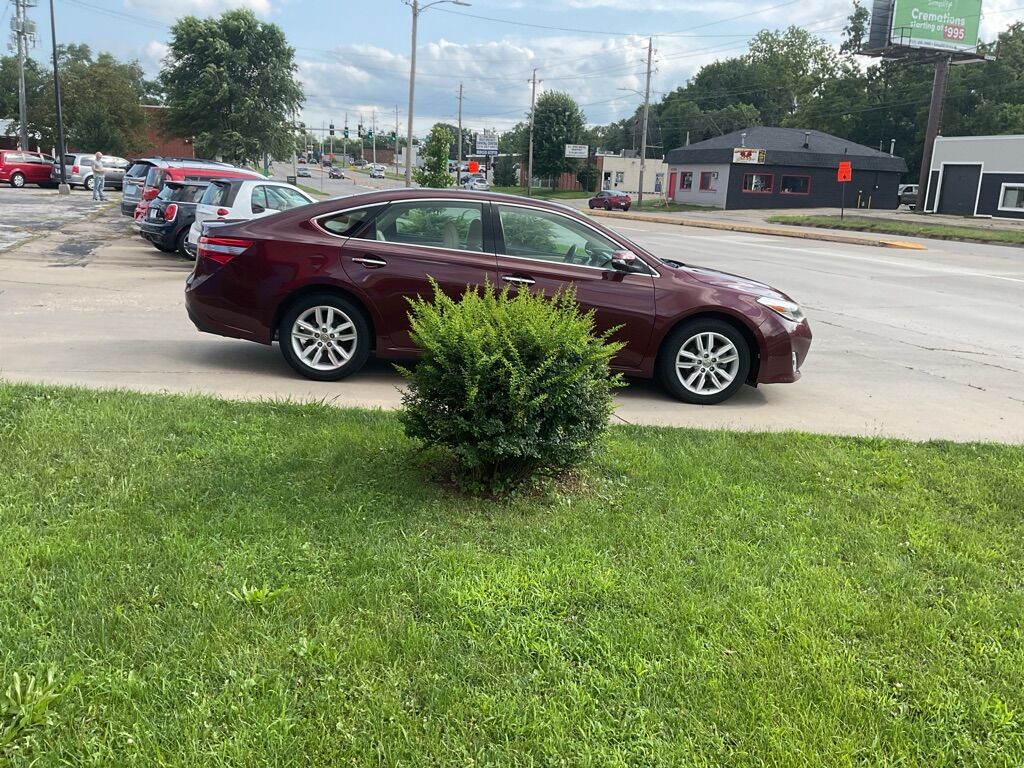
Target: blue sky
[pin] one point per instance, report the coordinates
(354, 56)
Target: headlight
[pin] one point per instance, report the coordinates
(788, 309)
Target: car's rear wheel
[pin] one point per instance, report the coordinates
(164, 248)
(17, 180)
(325, 337)
(590, 205)
(704, 361)
(180, 243)
(88, 183)
(607, 206)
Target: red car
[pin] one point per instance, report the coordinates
(19, 168)
(330, 280)
(610, 198)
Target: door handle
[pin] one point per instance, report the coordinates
(518, 280)
(369, 261)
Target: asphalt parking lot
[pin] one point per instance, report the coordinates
(31, 211)
(915, 344)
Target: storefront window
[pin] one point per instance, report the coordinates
(709, 181)
(758, 182)
(1012, 198)
(795, 185)
(686, 180)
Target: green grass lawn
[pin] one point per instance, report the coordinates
(217, 583)
(659, 206)
(546, 194)
(908, 228)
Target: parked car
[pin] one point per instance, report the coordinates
(135, 177)
(610, 198)
(335, 173)
(241, 200)
(19, 168)
(158, 176)
(475, 182)
(170, 215)
(908, 194)
(360, 162)
(271, 279)
(78, 170)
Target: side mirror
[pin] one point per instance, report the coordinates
(624, 261)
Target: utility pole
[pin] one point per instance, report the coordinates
(533, 105)
(63, 188)
(647, 112)
(344, 143)
(396, 140)
(934, 123)
(458, 167)
(373, 133)
(23, 29)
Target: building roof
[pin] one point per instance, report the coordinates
(785, 146)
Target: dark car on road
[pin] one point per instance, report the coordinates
(330, 281)
(335, 173)
(19, 168)
(170, 215)
(610, 198)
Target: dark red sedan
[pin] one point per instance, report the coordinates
(609, 199)
(330, 281)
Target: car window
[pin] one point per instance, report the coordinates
(346, 223)
(549, 236)
(190, 194)
(70, 159)
(154, 177)
(218, 193)
(138, 169)
(258, 199)
(167, 193)
(453, 224)
(283, 199)
(86, 161)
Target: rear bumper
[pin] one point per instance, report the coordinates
(158, 233)
(128, 207)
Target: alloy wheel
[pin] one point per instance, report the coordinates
(707, 363)
(17, 180)
(324, 338)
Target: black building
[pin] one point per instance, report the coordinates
(781, 168)
(977, 176)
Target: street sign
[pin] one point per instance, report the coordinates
(945, 25)
(845, 172)
(486, 144)
(474, 166)
(578, 151)
(747, 155)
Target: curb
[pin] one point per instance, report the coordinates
(760, 230)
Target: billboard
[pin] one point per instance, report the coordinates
(747, 155)
(577, 150)
(945, 25)
(486, 144)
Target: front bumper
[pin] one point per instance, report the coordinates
(785, 349)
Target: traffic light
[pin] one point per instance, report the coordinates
(391, 136)
(332, 129)
(369, 134)
(345, 132)
(359, 131)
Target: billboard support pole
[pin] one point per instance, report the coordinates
(932, 131)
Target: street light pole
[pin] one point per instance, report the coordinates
(63, 189)
(417, 9)
(643, 139)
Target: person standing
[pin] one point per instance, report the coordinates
(99, 178)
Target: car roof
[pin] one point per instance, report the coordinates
(402, 194)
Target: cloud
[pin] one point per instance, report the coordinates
(155, 52)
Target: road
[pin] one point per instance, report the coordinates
(914, 344)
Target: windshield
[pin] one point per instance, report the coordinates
(154, 177)
(192, 193)
(167, 193)
(217, 193)
(138, 170)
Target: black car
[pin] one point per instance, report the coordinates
(170, 215)
(335, 173)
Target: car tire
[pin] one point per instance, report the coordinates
(17, 180)
(607, 206)
(338, 315)
(163, 248)
(590, 205)
(180, 244)
(704, 361)
(625, 209)
(88, 184)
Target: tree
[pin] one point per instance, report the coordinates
(587, 176)
(230, 84)
(558, 120)
(434, 151)
(505, 172)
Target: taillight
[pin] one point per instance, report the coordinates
(223, 211)
(74, 169)
(170, 212)
(150, 193)
(222, 249)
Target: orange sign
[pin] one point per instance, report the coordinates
(845, 172)
(474, 166)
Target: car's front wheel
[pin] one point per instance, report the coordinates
(590, 205)
(324, 337)
(17, 180)
(704, 361)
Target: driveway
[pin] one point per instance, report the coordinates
(27, 212)
(908, 344)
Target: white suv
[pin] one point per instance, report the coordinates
(241, 200)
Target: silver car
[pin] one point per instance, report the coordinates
(78, 170)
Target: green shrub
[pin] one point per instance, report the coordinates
(513, 385)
